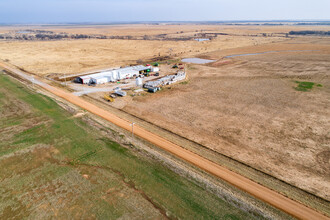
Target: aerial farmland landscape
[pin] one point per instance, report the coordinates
(164, 117)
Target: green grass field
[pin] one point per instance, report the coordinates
(55, 165)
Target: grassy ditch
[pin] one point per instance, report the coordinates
(54, 165)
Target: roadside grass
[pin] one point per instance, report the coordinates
(1, 98)
(305, 86)
(165, 188)
(72, 171)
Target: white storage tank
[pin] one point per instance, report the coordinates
(139, 82)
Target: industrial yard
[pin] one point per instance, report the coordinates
(252, 94)
(110, 84)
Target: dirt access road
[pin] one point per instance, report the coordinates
(269, 196)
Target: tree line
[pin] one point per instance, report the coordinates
(327, 33)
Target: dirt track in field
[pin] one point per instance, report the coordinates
(269, 196)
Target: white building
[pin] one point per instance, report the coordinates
(100, 79)
(127, 73)
(112, 75)
(85, 79)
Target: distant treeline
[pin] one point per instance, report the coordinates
(327, 33)
(43, 37)
(254, 24)
(317, 23)
(37, 31)
(48, 35)
(280, 24)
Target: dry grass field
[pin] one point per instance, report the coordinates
(72, 56)
(248, 108)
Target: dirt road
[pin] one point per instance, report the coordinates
(271, 197)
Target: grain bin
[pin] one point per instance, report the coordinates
(139, 82)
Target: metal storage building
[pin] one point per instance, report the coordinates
(100, 79)
(141, 68)
(113, 75)
(85, 79)
(127, 73)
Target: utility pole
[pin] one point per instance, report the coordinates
(132, 128)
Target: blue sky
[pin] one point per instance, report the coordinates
(56, 11)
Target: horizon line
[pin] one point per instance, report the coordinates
(164, 21)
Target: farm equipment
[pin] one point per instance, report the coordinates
(153, 89)
(119, 92)
(109, 98)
